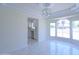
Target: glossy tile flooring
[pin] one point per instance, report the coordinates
(48, 47)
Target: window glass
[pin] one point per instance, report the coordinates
(75, 29)
(63, 28)
(52, 29)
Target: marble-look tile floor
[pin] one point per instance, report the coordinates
(48, 47)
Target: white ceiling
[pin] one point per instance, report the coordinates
(59, 6)
(39, 6)
(36, 8)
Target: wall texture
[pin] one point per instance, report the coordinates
(13, 30)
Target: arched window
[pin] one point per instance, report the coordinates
(63, 28)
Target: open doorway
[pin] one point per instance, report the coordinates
(32, 30)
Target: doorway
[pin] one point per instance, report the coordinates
(32, 30)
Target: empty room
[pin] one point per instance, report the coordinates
(39, 28)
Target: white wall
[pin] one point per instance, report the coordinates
(13, 30)
(42, 30)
